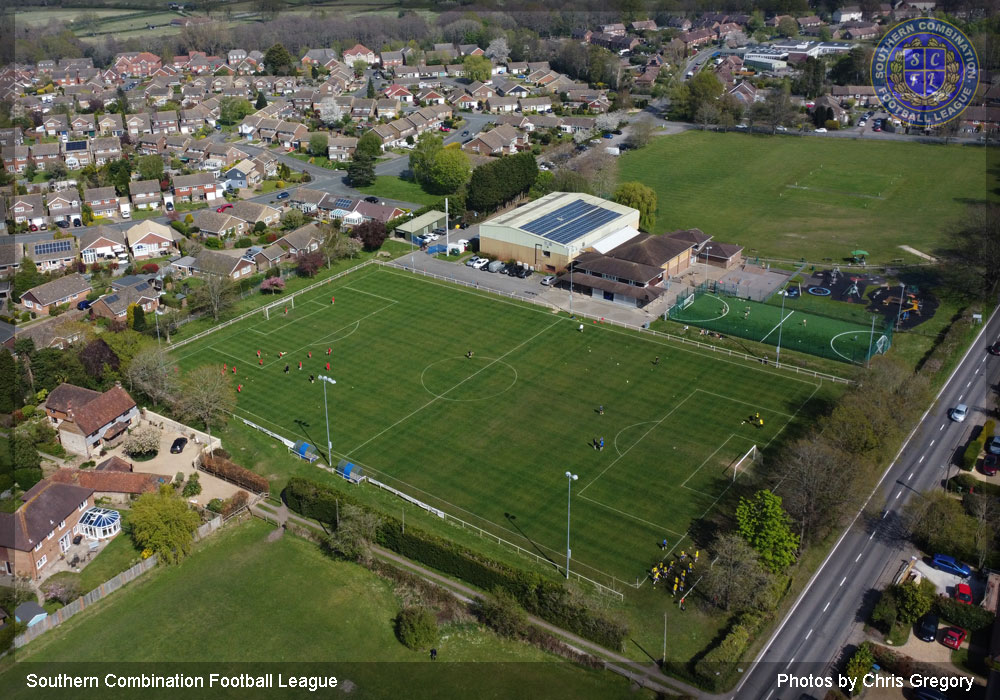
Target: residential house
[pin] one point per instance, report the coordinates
(266, 258)
(267, 163)
(138, 64)
(106, 148)
(697, 38)
(103, 201)
(362, 108)
(151, 144)
(11, 136)
(616, 29)
(54, 255)
(115, 305)
(859, 31)
(27, 209)
(445, 50)
(863, 95)
(65, 205)
(213, 262)
(323, 58)
(176, 145)
(253, 213)
(149, 239)
(480, 91)
(56, 125)
(470, 50)
(67, 290)
(302, 240)
(848, 13)
(101, 243)
(370, 211)
(644, 25)
(195, 118)
(398, 92)
(828, 101)
(306, 200)
(500, 141)
(391, 59)
(243, 174)
(501, 104)
(38, 532)
(291, 134)
(464, 101)
(535, 104)
(16, 158)
(45, 155)
(219, 224)
(510, 88)
(138, 124)
(571, 125)
(197, 187)
(431, 96)
(359, 52)
(85, 422)
(341, 147)
(388, 109)
(165, 122)
(145, 194)
(117, 485)
(76, 154)
(83, 124)
(810, 22)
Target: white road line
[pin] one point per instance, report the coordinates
(961, 397)
(921, 459)
(898, 494)
(826, 606)
(842, 581)
(941, 428)
(769, 694)
(885, 513)
(982, 360)
(932, 443)
(871, 536)
(790, 662)
(809, 634)
(968, 385)
(910, 476)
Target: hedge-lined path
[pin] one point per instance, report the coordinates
(646, 675)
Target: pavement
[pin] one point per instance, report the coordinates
(832, 608)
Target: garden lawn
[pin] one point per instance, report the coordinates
(488, 438)
(392, 187)
(242, 598)
(809, 197)
(119, 554)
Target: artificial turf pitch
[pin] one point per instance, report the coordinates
(489, 438)
(794, 328)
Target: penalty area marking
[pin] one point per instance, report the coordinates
(855, 333)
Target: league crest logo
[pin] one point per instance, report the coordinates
(925, 72)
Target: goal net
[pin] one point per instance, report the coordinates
(745, 462)
(279, 308)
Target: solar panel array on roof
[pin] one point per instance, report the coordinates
(343, 203)
(62, 246)
(556, 218)
(581, 225)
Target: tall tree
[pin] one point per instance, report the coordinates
(215, 295)
(152, 373)
(448, 171)
(261, 102)
(330, 112)
(777, 108)
(974, 251)
(361, 171)
(641, 197)
(233, 109)
(369, 144)
(422, 156)
(164, 523)
(98, 358)
(498, 50)
(765, 525)
(150, 167)
(208, 396)
(318, 144)
(277, 60)
(477, 68)
(371, 233)
(7, 377)
(736, 580)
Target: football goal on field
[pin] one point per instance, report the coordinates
(745, 462)
(279, 307)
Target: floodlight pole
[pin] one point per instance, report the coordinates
(902, 292)
(329, 445)
(570, 478)
(781, 324)
(446, 227)
(871, 339)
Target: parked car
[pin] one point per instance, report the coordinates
(178, 446)
(781, 128)
(609, 135)
(224, 207)
(524, 273)
(995, 348)
(83, 305)
(77, 223)
(44, 226)
(371, 200)
(953, 637)
(617, 132)
(472, 261)
(948, 563)
(963, 594)
(991, 464)
(959, 413)
(465, 133)
(927, 627)
(62, 224)
(549, 280)
(169, 206)
(543, 167)
(495, 266)
(820, 130)
(481, 263)
(993, 445)
(431, 236)
(444, 128)
(283, 195)
(32, 227)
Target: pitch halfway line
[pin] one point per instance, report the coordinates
(777, 326)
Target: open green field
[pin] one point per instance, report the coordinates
(814, 198)
(243, 598)
(794, 328)
(489, 438)
(392, 187)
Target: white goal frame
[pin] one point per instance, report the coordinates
(746, 460)
(289, 302)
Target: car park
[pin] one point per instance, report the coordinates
(993, 445)
(178, 446)
(927, 627)
(431, 236)
(953, 637)
(283, 195)
(990, 465)
(549, 280)
(959, 413)
(948, 563)
(224, 207)
(524, 273)
(963, 594)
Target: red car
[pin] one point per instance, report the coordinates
(963, 594)
(224, 207)
(990, 465)
(953, 637)
(445, 128)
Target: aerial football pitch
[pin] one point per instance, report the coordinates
(489, 438)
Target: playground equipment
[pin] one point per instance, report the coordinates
(304, 450)
(852, 293)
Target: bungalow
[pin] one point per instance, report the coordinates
(117, 484)
(254, 213)
(103, 201)
(101, 243)
(398, 92)
(535, 104)
(197, 187)
(115, 305)
(445, 50)
(430, 96)
(341, 147)
(859, 31)
(213, 262)
(571, 125)
(480, 91)
(863, 95)
(510, 88)
(243, 174)
(359, 52)
(500, 141)
(302, 240)
(219, 225)
(85, 421)
(369, 211)
(305, 199)
(269, 257)
(145, 194)
(66, 290)
(470, 50)
(149, 239)
(464, 101)
(46, 155)
(29, 539)
(501, 104)
(54, 255)
(107, 148)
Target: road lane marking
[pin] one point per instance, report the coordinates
(961, 397)
(941, 428)
(809, 634)
(871, 536)
(885, 513)
(858, 557)
(910, 476)
(898, 494)
(921, 459)
(826, 606)
(842, 581)
(769, 694)
(789, 664)
(932, 443)
(969, 384)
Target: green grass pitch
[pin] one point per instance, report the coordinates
(792, 197)
(795, 328)
(489, 438)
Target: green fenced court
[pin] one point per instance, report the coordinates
(784, 326)
(487, 438)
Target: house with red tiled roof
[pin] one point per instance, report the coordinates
(359, 52)
(114, 485)
(84, 421)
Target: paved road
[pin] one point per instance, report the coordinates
(810, 639)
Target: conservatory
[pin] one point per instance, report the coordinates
(100, 523)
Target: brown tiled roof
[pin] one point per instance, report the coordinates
(69, 396)
(102, 410)
(45, 505)
(59, 288)
(110, 481)
(114, 464)
(616, 267)
(694, 236)
(650, 250)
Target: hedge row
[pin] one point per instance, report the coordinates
(539, 596)
(720, 665)
(970, 617)
(967, 483)
(976, 446)
(222, 467)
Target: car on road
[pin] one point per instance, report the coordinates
(283, 195)
(949, 564)
(963, 594)
(927, 627)
(990, 465)
(371, 200)
(83, 305)
(820, 130)
(178, 446)
(481, 263)
(224, 207)
(549, 280)
(993, 445)
(465, 133)
(953, 637)
(994, 349)
(959, 413)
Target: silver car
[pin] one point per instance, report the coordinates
(959, 413)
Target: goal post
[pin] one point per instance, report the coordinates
(744, 462)
(279, 307)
